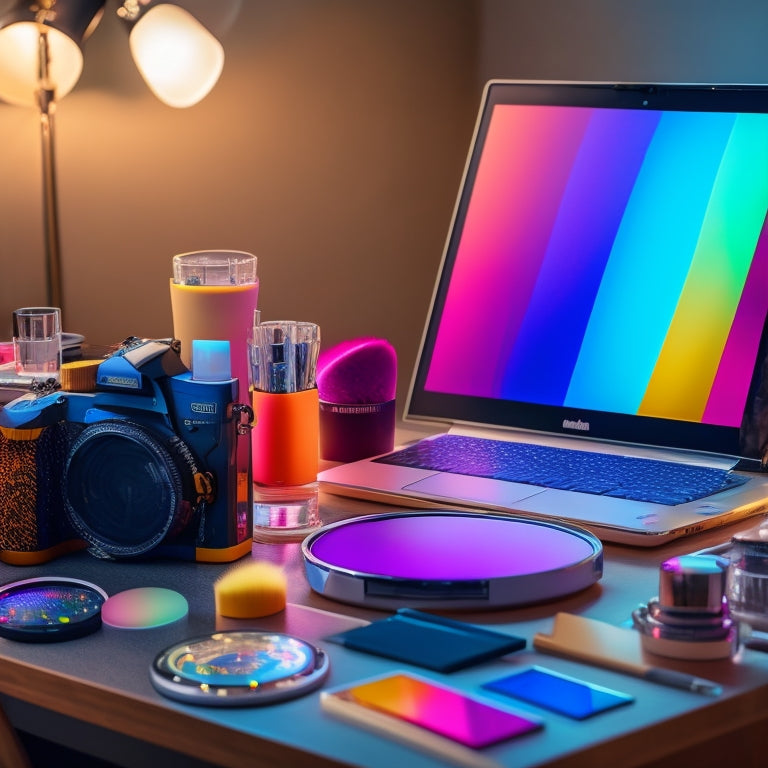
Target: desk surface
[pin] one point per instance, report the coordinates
(103, 680)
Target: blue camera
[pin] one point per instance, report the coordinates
(148, 464)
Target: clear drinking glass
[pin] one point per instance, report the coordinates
(37, 341)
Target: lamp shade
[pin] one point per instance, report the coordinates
(179, 59)
(65, 24)
(19, 79)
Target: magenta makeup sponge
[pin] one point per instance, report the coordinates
(358, 371)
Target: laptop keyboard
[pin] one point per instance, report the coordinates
(604, 474)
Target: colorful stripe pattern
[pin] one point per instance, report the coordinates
(612, 260)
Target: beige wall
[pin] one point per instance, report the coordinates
(708, 41)
(331, 147)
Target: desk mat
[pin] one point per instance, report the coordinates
(311, 624)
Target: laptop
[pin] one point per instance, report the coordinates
(603, 289)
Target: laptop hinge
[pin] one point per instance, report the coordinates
(751, 465)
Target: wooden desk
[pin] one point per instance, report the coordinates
(94, 693)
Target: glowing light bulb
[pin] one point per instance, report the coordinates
(20, 63)
(179, 59)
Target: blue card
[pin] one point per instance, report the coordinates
(559, 693)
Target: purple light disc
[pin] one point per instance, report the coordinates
(450, 558)
(450, 547)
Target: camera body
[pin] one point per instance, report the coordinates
(146, 465)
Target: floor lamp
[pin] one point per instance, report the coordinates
(41, 59)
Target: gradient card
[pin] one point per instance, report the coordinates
(611, 260)
(444, 711)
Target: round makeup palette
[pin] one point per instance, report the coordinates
(450, 559)
(50, 609)
(239, 668)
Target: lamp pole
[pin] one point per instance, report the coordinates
(46, 98)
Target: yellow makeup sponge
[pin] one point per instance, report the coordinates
(250, 591)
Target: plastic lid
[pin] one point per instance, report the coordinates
(214, 268)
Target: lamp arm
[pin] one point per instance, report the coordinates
(46, 98)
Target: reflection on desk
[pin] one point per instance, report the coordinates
(94, 693)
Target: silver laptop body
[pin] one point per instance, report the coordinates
(604, 287)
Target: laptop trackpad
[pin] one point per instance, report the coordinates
(484, 490)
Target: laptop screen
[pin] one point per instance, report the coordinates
(606, 273)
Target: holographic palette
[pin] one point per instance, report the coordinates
(238, 668)
(426, 713)
(44, 610)
(607, 266)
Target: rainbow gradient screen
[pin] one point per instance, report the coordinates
(607, 260)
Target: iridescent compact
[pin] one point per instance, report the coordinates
(50, 609)
(238, 668)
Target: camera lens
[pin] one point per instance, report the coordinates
(123, 488)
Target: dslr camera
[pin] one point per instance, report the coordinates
(143, 465)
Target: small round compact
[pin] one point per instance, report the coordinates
(239, 668)
(690, 618)
(50, 609)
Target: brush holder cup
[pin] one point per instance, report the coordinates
(285, 438)
(353, 431)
